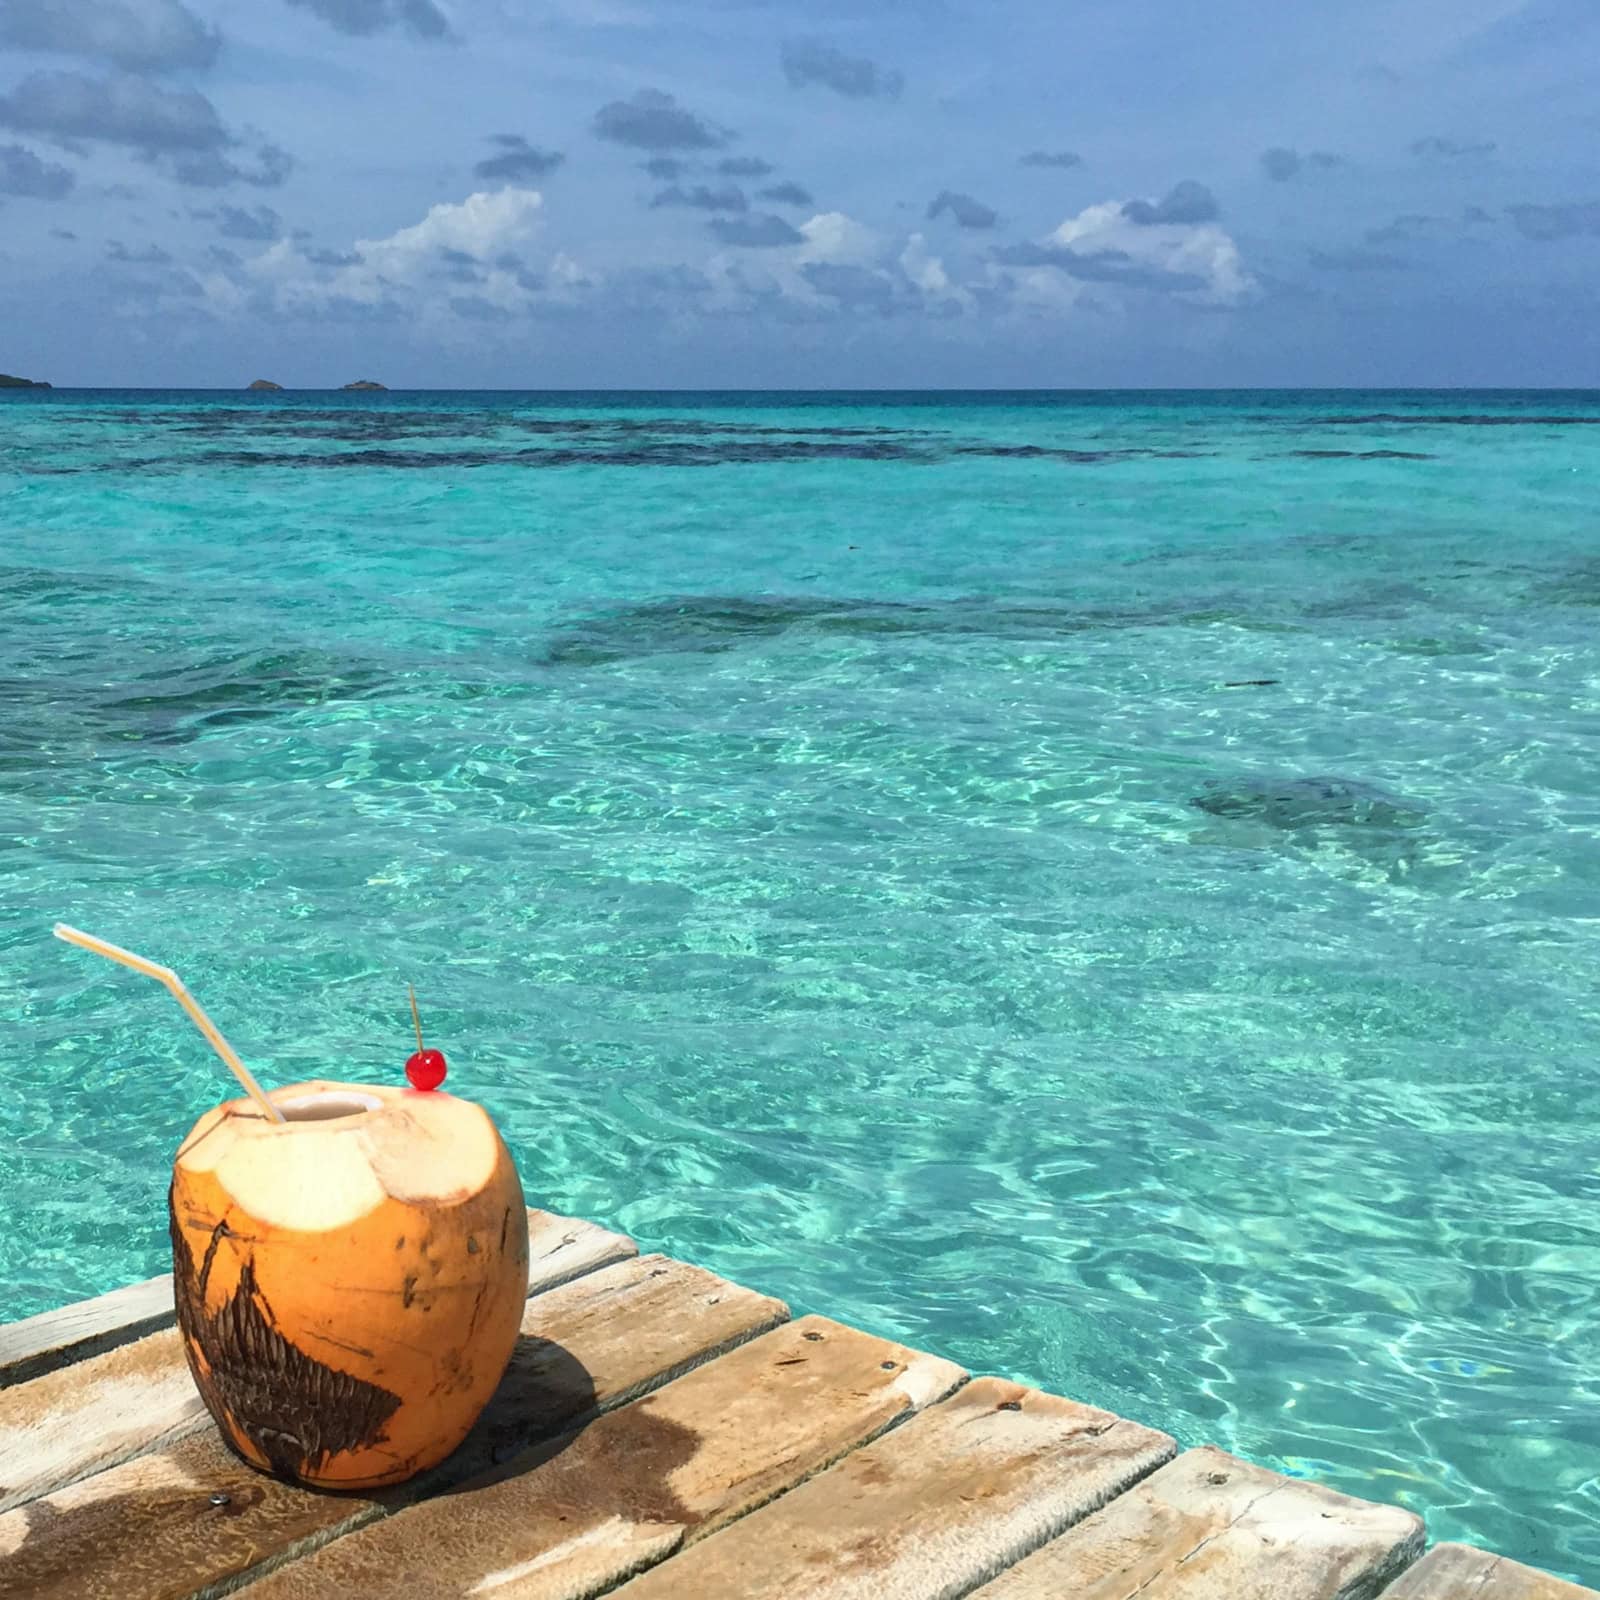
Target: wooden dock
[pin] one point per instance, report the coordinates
(669, 1435)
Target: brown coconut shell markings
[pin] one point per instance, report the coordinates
(349, 1283)
(298, 1412)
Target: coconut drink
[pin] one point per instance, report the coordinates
(350, 1266)
(349, 1281)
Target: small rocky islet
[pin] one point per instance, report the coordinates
(364, 385)
(262, 385)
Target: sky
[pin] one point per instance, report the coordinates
(763, 193)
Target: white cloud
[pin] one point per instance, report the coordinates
(565, 273)
(1043, 291)
(926, 273)
(832, 237)
(467, 250)
(1181, 251)
(479, 225)
(844, 265)
(741, 280)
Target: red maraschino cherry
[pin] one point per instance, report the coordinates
(425, 1069)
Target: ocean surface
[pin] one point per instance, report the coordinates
(1105, 887)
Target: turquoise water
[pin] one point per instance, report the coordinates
(785, 809)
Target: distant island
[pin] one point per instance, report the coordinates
(8, 382)
(265, 383)
(366, 383)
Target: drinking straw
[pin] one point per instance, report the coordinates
(167, 976)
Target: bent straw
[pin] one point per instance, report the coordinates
(165, 975)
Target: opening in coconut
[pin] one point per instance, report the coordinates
(328, 1105)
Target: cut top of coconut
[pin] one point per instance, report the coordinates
(342, 1151)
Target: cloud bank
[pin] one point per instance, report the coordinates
(178, 129)
(1282, 164)
(24, 175)
(136, 35)
(967, 212)
(472, 242)
(810, 61)
(763, 231)
(518, 161)
(1185, 202)
(653, 120)
(1116, 243)
(362, 18)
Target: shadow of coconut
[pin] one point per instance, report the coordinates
(209, 1520)
(545, 1390)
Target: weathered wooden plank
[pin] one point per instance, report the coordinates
(1458, 1572)
(559, 1248)
(194, 1516)
(1212, 1527)
(71, 1333)
(81, 1419)
(90, 1415)
(581, 1514)
(632, 1327)
(951, 1498)
(563, 1248)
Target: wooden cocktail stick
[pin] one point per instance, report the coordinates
(427, 1068)
(415, 1018)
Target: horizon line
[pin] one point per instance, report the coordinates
(45, 387)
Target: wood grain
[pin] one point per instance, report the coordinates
(53, 1338)
(1212, 1527)
(953, 1497)
(577, 1516)
(92, 1414)
(563, 1248)
(81, 1419)
(1458, 1572)
(192, 1516)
